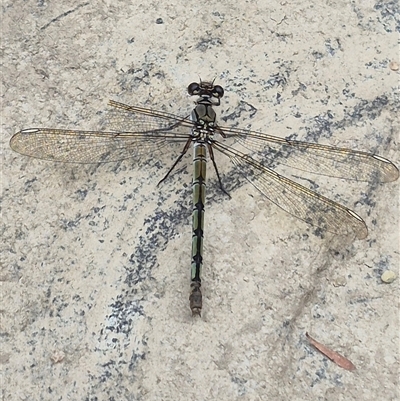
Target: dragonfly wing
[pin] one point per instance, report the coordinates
(91, 146)
(131, 132)
(123, 117)
(295, 199)
(320, 159)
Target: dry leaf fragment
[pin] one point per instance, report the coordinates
(332, 355)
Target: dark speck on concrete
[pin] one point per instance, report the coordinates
(81, 193)
(207, 43)
(242, 109)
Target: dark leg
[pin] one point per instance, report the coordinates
(210, 151)
(184, 151)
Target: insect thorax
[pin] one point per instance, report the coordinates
(203, 115)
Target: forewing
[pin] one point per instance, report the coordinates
(132, 133)
(123, 117)
(320, 159)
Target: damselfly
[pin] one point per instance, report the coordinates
(135, 132)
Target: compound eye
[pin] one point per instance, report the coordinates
(218, 91)
(193, 88)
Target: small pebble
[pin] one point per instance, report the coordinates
(339, 281)
(394, 66)
(388, 276)
(57, 356)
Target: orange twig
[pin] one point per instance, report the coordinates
(332, 355)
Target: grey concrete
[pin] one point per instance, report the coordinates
(95, 259)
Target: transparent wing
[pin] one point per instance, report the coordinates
(132, 118)
(295, 199)
(320, 159)
(133, 132)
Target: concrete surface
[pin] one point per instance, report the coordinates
(95, 259)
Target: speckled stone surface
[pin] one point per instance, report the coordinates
(95, 259)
